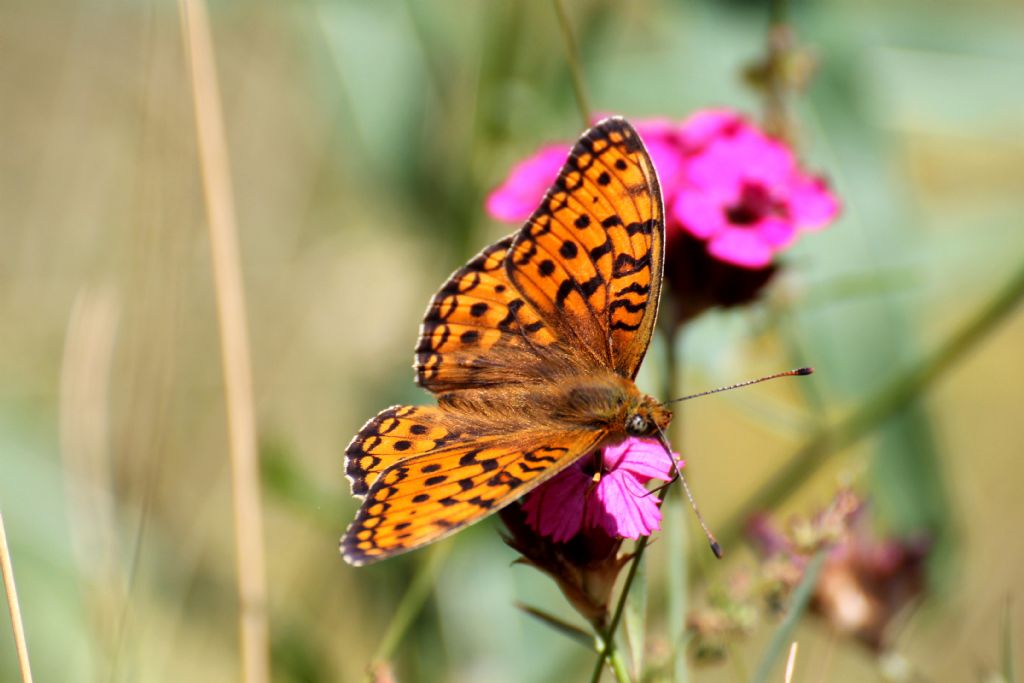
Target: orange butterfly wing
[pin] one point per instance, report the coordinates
(575, 289)
(393, 435)
(478, 330)
(590, 259)
(582, 278)
(423, 498)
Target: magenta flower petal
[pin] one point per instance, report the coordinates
(717, 171)
(741, 247)
(643, 458)
(764, 160)
(704, 126)
(774, 231)
(627, 509)
(556, 508)
(518, 197)
(668, 162)
(699, 214)
(811, 204)
(618, 503)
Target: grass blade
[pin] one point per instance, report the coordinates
(409, 607)
(783, 634)
(20, 644)
(791, 663)
(250, 563)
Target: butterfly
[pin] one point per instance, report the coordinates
(531, 349)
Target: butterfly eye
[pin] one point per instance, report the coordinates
(637, 424)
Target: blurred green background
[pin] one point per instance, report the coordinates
(363, 139)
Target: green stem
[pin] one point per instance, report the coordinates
(784, 633)
(572, 55)
(618, 666)
(609, 651)
(775, 88)
(881, 406)
(410, 606)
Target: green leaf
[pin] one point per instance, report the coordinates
(783, 634)
(571, 631)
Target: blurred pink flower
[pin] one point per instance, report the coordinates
(521, 192)
(744, 193)
(616, 503)
(724, 182)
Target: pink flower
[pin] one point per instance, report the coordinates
(744, 193)
(616, 502)
(522, 191)
(724, 182)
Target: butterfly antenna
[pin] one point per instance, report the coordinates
(712, 541)
(788, 373)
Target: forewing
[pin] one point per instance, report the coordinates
(423, 498)
(590, 259)
(580, 281)
(478, 330)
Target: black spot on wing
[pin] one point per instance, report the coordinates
(627, 265)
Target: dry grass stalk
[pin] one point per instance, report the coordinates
(20, 644)
(231, 310)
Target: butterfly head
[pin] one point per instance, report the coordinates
(647, 417)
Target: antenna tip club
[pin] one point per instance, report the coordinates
(803, 371)
(716, 549)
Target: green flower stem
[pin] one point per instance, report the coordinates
(572, 55)
(410, 606)
(608, 651)
(618, 665)
(882, 405)
(775, 89)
